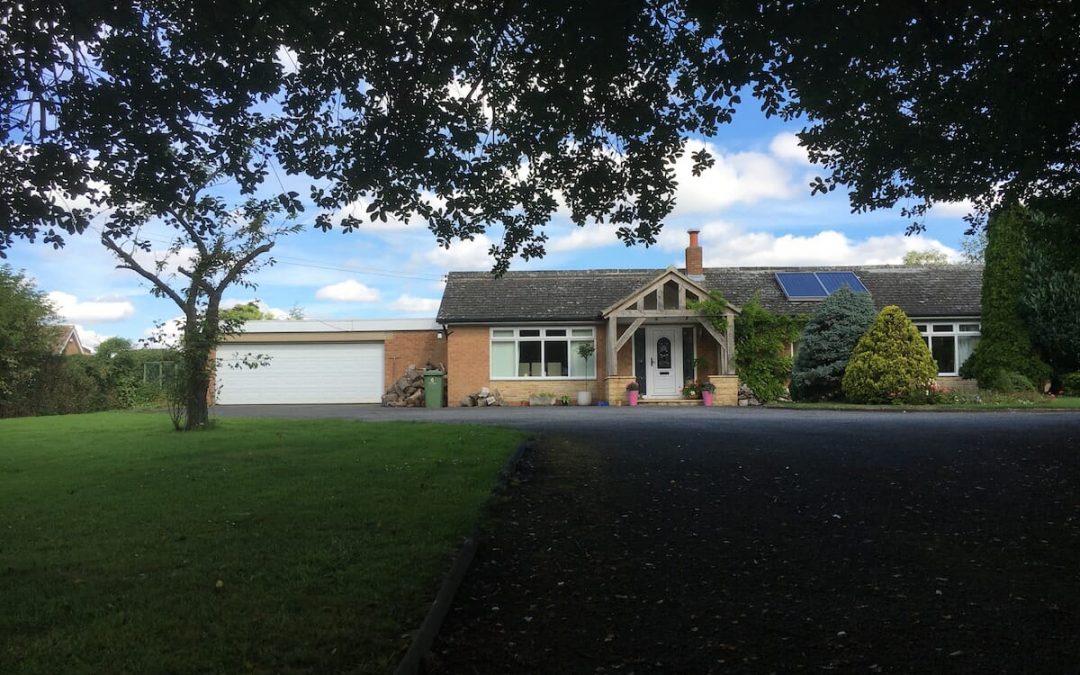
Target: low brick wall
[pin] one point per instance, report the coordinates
(958, 384)
(514, 391)
(727, 389)
(616, 388)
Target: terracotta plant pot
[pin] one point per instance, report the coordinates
(631, 397)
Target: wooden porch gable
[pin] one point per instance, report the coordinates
(665, 300)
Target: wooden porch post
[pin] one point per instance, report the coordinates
(729, 368)
(609, 347)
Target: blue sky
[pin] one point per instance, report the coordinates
(753, 208)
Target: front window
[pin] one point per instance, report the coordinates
(541, 353)
(950, 343)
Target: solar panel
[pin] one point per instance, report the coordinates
(834, 281)
(801, 285)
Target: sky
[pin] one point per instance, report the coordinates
(753, 208)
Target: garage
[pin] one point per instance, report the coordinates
(301, 373)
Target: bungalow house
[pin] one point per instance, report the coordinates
(520, 333)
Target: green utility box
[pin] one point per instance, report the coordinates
(433, 388)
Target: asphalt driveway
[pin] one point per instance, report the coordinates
(735, 540)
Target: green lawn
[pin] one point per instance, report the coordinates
(259, 546)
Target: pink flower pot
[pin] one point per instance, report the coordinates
(631, 397)
(706, 397)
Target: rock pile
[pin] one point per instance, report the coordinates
(408, 390)
(483, 398)
(746, 396)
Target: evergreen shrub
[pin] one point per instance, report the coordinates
(891, 362)
(827, 342)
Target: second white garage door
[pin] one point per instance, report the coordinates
(302, 373)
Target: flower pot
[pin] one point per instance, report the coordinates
(706, 397)
(584, 398)
(631, 397)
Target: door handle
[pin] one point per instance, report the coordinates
(652, 362)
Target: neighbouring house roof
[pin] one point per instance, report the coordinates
(66, 334)
(583, 295)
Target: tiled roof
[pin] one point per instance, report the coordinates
(582, 295)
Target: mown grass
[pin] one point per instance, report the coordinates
(258, 546)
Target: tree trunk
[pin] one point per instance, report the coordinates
(196, 355)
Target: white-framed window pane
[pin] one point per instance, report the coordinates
(556, 359)
(921, 327)
(579, 367)
(582, 332)
(555, 332)
(965, 345)
(944, 351)
(502, 332)
(529, 332)
(943, 328)
(969, 328)
(503, 357)
(530, 359)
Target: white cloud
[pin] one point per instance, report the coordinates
(786, 146)
(956, 209)
(348, 291)
(94, 311)
(409, 303)
(589, 236)
(726, 244)
(739, 178)
(287, 58)
(463, 255)
(169, 261)
(90, 338)
(166, 335)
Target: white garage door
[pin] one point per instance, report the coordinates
(302, 373)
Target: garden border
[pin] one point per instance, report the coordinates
(423, 639)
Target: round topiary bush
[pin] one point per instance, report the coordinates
(891, 362)
(830, 336)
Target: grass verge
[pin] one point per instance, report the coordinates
(259, 546)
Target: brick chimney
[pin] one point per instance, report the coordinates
(693, 258)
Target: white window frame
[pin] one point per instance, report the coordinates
(497, 334)
(929, 328)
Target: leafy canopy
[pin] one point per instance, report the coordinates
(826, 345)
(925, 258)
(485, 115)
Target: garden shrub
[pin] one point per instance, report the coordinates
(761, 344)
(1005, 381)
(827, 342)
(1070, 384)
(891, 362)
(1005, 343)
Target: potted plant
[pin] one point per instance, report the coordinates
(585, 350)
(707, 391)
(632, 393)
(564, 400)
(691, 389)
(543, 398)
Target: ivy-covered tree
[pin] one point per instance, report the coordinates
(26, 336)
(827, 343)
(1050, 294)
(891, 362)
(1005, 346)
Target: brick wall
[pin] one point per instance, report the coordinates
(411, 348)
(469, 361)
